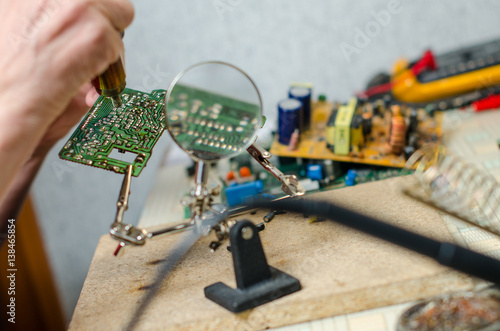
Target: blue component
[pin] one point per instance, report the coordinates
(303, 94)
(315, 172)
(267, 196)
(238, 193)
(350, 179)
(288, 119)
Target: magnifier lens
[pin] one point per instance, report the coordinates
(213, 111)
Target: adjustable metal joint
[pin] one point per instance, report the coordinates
(128, 234)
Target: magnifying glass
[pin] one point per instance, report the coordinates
(213, 111)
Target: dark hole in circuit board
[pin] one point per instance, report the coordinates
(123, 155)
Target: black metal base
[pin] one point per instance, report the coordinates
(257, 282)
(238, 300)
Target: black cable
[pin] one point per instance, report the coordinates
(448, 254)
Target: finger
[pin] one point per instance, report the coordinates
(91, 97)
(71, 115)
(119, 12)
(78, 43)
(90, 44)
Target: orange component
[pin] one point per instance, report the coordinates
(230, 175)
(397, 139)
(294, 140)
(245, 172)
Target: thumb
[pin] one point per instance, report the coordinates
(91, 96)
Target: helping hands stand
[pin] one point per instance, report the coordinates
(200, 200)
(257, 282)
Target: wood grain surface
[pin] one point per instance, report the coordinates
(341, 270)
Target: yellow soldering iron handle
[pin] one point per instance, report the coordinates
(112, 81)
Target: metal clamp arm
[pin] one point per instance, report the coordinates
(126, 234)
(290, 184)
(122, 204)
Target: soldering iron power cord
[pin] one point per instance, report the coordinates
(445, 253)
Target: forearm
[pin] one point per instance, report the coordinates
(17, 191)
(18, 140)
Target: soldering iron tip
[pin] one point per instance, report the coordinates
(117, 102)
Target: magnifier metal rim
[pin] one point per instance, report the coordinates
(176, 80)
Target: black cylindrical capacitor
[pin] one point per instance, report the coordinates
(412, 127)
(288, 119)
(303, 94)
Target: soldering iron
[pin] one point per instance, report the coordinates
(112, 82)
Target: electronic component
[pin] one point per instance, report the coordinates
(133, 129)
(335, 176)
(302, 94)
(344, 130)
(294, 140)
(350, 178)
(397, 137)
(310, 185)
(360, 132)
(230, 176)
(245, 172)
(270, 216)
(289, 111)
(320, 113)
(315, 172)
(236, 194)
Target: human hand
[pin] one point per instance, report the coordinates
(44, 72)
(73, 113)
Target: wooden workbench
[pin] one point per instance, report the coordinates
(341, 270)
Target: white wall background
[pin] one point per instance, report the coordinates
(276, 42)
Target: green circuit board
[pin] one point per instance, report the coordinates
(132, 129)
(210, 122)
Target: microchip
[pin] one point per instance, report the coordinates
(130, 130)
